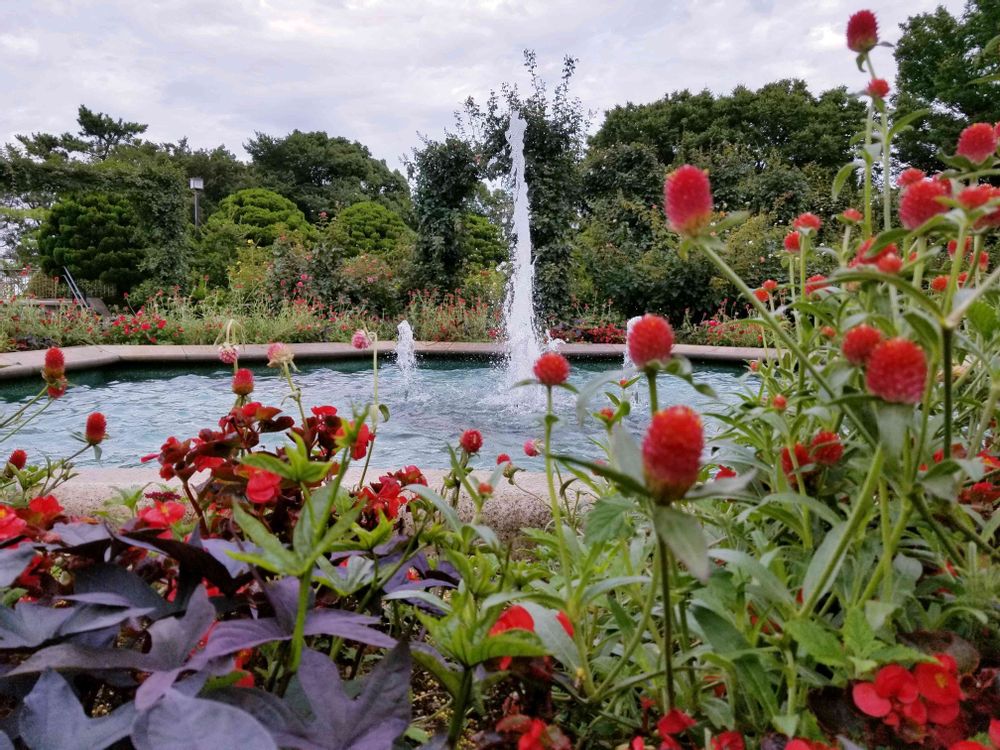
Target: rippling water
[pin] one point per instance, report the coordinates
(145, 406)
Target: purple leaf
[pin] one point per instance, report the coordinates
(52, 718)
(13, 561)
(179, 722)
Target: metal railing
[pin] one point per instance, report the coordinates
(74, 288)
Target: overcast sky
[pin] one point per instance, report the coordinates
(380, 71)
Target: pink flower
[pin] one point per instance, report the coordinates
(360, 340)
(279, 355)
(977, 143)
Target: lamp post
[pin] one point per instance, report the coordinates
(197, 184)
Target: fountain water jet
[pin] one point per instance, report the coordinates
(520, 327)
(406, 359)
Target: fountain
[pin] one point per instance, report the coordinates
(520, 327)
(406, 360)
(628, 364)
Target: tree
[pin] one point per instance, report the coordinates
(325, 174)
(256, 216)
(369, 227)
(939, 58)
(97, 139)
(222, 172)
(446, 179)
(94, 235)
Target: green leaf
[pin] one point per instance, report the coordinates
(821, 560)
(449, 514)
(859, 638)
(590, 389)
(280, 559)
(626, 454)
(683, 534)
(905, 121)
(595, 590)
(842, 176)
(983, 317)
(623, 481)
(773, 588)
(269, 463)
(607, 518)
(450, 679)
(818, 642)
(553, 636)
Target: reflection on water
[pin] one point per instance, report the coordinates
(444, 398)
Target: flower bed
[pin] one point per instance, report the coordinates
(821, 573)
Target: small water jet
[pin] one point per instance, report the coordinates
(406, 359)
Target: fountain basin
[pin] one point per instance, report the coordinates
(146, 404)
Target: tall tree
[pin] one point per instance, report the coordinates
(939, 58)
(98, 137)
(325, 174)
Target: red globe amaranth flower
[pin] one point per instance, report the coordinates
(939, 283)
(890, 263)
(807, 222)
(471, 441)
(878, 88)
(852, 215)
(485, 488)
(228, 354)
(262, 486)
(909, 176)
(975, 196)
(279, 355)
(827, 450)
(992, 219)
(977, 143)
(531, 448)
(828, 332)
(55, 362)
(503, 458)
(11, 525)
(687, 200)
(770, 285)
(671, 452)
(815, 283)
(862, 31)
(243, 382)
(728, 741)
(792, 242)
(725, 472)
(865, 255)
(761, 294)
(779, 402)
(919, 202)
(360, 340)
(897, 371)
(97, 428)
(18, 459)
(790, 466)
(650, 341)
(551, 369)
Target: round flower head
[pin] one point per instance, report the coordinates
(531, 448)
(18, 459)
(975, 196)
(360, 340)
(807, 222)
(671, 452)
(939, 283)
(228, 354)
(897, 371)
(650, 341)
(279, 355)
(827, 449)
(977, 143)
(862, 31)
(859, 342)
(790, 465)
(551, 369)
(878, 88)
(866, 256)
(815, 283)
(97, 428)
(55, 360)
(503, 458)
(909, 176)
(471, 441)
(890, 263)
(687, 200)
(762, 294)
(243, 382)
(792, 242)
(919, 202)
(770, 285)
(852, 215)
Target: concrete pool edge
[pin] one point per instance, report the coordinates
(511, 508)
(18, 365)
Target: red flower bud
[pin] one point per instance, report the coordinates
(471, 441)
(687, 200)
(862, 31)
(977, 143)
(551, 369)
(97, 428)
(878, 88)
(897, 371)
(650, 341)
(671, 452)
(919, 202)
(243, 382)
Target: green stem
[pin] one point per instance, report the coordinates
(667, 648)
(888, 548)
(947, 338)
(633, 643)
(858, 514)
(298, 634)
(461, 701)
(869, 122)
(985, 418)
(654, 401)
(946, 541)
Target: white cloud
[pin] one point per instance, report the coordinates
(381, 71)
